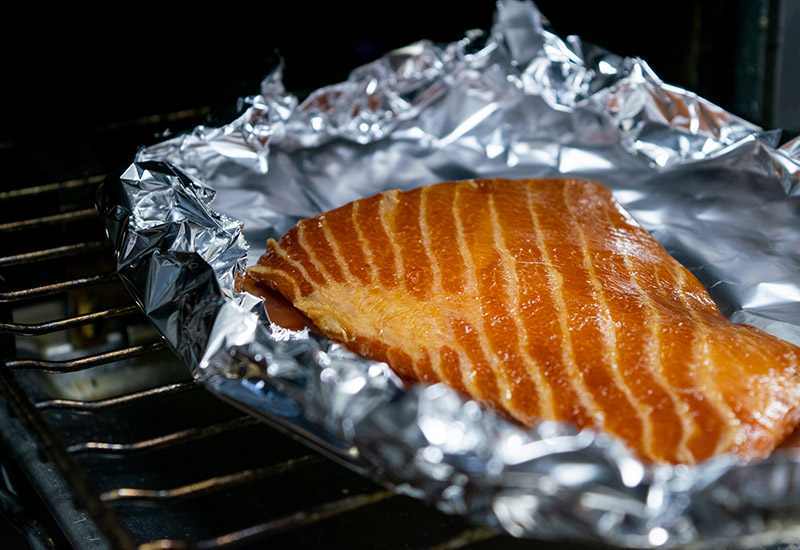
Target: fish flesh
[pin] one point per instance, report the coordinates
(545, 300)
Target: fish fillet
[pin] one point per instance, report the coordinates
(545, 300)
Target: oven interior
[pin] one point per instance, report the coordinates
(105, 440)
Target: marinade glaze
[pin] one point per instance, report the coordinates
(546, 300)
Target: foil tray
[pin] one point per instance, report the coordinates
(515, 101)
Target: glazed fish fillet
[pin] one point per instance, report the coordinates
(545, 300)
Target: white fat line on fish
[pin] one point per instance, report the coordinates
(471, 288)
(608, 331)
(512, 292)
(567, 349)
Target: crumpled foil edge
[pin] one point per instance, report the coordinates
(548, 481)
(180, 260)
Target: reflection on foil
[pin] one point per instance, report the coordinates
(517, 101)
(664, 123)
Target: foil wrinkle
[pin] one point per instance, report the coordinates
(515, 101)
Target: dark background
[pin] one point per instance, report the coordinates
(68, 73)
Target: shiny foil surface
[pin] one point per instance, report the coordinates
(514, 101)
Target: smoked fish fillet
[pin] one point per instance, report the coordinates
(545, 300)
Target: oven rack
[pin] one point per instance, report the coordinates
(163, 465)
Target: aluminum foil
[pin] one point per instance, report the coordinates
(514, 101)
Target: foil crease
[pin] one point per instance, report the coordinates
(517, 101)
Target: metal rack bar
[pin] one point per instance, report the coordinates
(173, 438)
(291, 521)
(69, 322)
(49, 220)
(70, 404)
(55, 253)
(85, 362)
(55, 288)
(216, 483)
(50, 187)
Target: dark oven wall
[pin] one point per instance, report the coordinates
(68, 72)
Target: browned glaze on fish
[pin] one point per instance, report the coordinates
(545, 300)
